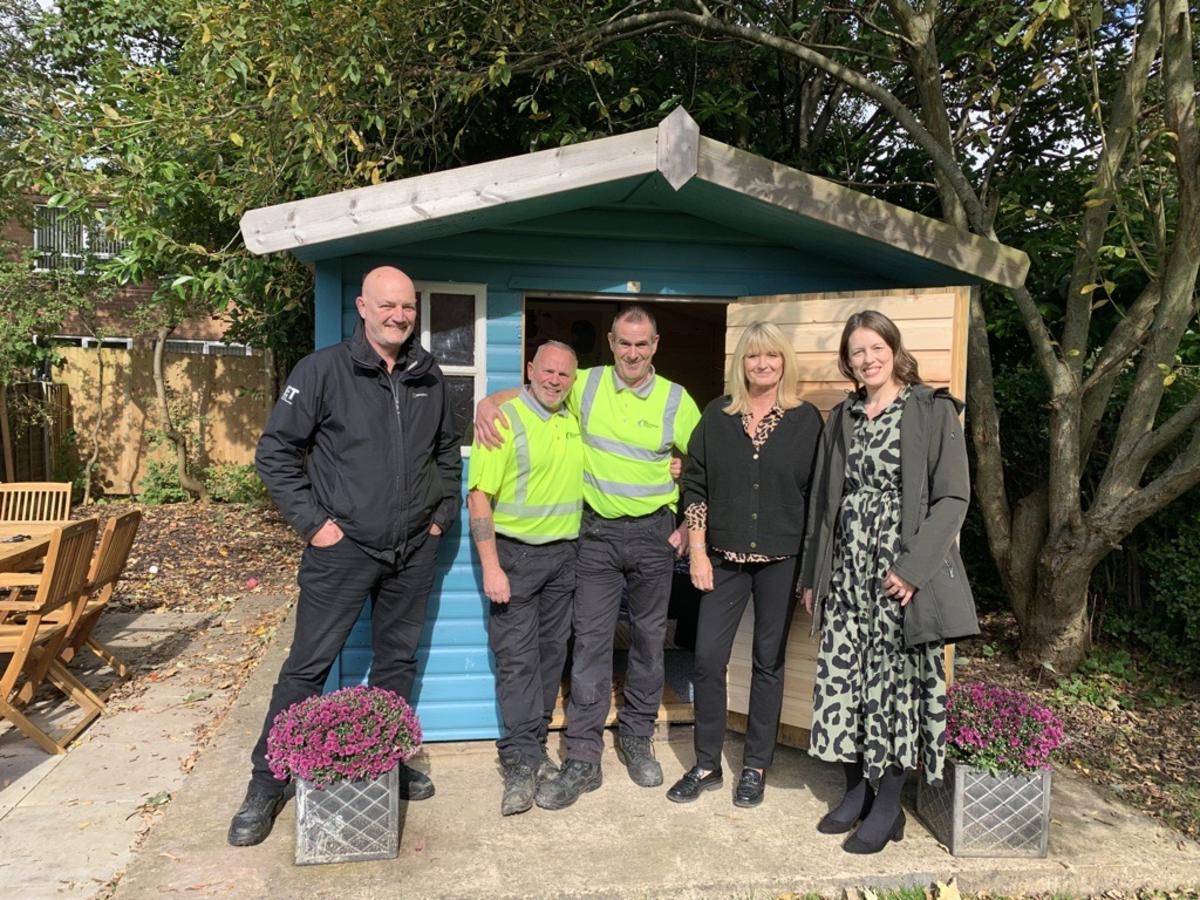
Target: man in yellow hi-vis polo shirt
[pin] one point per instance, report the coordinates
(631, 418)
(525, 501)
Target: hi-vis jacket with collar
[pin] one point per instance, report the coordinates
(934, 492)
(378, 452)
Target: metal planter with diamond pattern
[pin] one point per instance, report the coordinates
(977, 814)
(348, 821)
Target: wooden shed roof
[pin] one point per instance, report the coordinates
(669, 168)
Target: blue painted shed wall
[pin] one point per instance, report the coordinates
(592, 251)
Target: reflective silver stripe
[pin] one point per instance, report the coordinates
(589, 395)
(553, 509)
(608, 445)
(673, 400)
(521, 445)
(620, 489)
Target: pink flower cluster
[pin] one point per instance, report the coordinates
(999, 730)
(354, 734)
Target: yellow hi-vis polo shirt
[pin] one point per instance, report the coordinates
(536, 477)
(628, 434)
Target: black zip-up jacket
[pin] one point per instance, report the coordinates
(377, 452)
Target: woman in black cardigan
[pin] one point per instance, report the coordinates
(744, 490)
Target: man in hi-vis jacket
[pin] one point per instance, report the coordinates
(361, 455)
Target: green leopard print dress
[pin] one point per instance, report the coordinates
(873, 696)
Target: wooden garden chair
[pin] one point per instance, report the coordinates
(34, 639)
(107, 568)
(35, 501)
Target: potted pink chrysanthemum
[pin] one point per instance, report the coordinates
(995, 798)
(343, 749)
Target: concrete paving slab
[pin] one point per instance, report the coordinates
(68, 823)
(622, 841)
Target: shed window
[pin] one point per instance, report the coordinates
(453, 320)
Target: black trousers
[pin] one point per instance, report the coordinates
(628, 556)
(528, 636)
(334, 583)
(773, 587)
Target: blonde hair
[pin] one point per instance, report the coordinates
(761, 337)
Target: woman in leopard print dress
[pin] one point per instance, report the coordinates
(879, 697)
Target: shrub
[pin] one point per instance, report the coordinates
(232, 483)
(354, 734)
(999, 730)
(1167, 619)
(161, 485)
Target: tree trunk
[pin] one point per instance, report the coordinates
(186, 480)
(1056, 632)
(269, 391)
(89, 467)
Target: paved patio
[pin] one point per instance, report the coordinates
(622, 841)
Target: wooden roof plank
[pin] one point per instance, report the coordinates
(367, 210)
(858, 213)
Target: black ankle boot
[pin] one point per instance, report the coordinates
(885, 822)
(854, 805)
(256, 816)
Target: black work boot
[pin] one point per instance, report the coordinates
(546, 769)
(519, 786)
(638, 755)
(577, 777)
(256, 816)
(414, 785)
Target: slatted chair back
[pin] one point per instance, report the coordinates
(35, 501)
(35, 642)
(112, 554)
(107, 567)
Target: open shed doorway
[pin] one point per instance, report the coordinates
(691, 352)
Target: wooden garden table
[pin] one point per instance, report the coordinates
(20, 555)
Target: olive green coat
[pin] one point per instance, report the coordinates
(935, 490)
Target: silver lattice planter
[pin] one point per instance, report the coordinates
(976, 814)
(348, 821)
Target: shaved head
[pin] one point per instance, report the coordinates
(388, 306)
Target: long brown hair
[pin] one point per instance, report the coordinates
(904, 365)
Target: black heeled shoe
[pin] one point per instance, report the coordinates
(855, 844)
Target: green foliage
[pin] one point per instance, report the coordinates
(34, 303)
(1102, 679)
(161, 485)
(232, 483)
(1167, 621)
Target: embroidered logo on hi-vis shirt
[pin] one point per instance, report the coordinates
(289, 393)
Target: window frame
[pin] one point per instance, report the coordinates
(479, 368)
(77, 262)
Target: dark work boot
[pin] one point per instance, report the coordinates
(256, 816)
(414, 785)
(519, 786)
(546, 768)
(638, 755)
(577, 777)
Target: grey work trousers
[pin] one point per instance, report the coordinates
(627, 556)
(528, 636)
